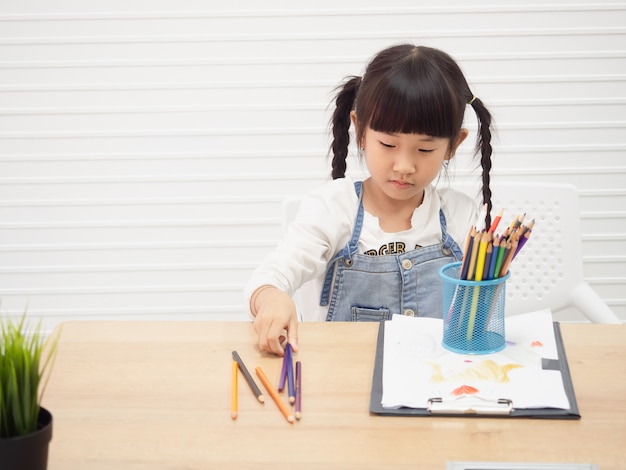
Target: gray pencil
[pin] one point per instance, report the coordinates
(249, 379)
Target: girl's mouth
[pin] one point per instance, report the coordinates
(401, 184)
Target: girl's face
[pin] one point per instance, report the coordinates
(402, 165)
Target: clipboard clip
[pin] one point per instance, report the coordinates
(500, 407)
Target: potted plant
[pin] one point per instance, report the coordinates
(26, 357)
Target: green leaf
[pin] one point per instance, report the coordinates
(22, 376)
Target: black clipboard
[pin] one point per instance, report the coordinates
(504, 408)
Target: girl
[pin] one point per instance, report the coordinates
(373, 248)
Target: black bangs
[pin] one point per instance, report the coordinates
(412, 99)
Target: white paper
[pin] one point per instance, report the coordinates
(417, 368)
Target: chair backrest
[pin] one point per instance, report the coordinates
(550, 263)
(548, 271)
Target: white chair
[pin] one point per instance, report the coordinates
(548, 271)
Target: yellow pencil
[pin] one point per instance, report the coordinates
(480, 267)
(472, 317)
(482, 253)
(234, 407)
(274, 394)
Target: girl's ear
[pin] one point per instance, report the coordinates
(354, 123)
(461, 136)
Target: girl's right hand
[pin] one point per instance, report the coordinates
(276, 321)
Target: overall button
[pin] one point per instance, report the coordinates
(446, 251)
(409, 313)
(406, 264)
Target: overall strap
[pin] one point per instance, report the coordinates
(346, 253)
(448, 243)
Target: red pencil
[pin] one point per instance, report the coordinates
(496, 221)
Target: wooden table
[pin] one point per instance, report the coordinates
(156, 395)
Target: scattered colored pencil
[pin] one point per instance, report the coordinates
(234, 406)
(298, 390)
(253, 386)
(290, 378)
(283, 373)
(274, 394)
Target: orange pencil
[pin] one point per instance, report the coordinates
(274, 394)
(234, 407)
(470, 235)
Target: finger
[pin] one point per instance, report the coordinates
(292, 333)
(275, 339)
(263, 335)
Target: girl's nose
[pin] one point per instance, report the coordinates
(404, 164)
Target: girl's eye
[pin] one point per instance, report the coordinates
(385, 144)
(426, 150)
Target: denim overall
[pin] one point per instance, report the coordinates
(372, 288)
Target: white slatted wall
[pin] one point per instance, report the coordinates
(145, 146)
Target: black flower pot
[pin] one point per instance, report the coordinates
(29, 452)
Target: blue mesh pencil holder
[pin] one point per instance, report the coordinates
(473, 312)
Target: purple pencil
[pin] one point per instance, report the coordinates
(298, 412)
(524, 238)
(522, 242)
(290, 379)
(283, 372)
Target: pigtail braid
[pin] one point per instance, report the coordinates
(344, 104)
(483, 147)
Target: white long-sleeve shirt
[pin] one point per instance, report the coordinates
(324, 225)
